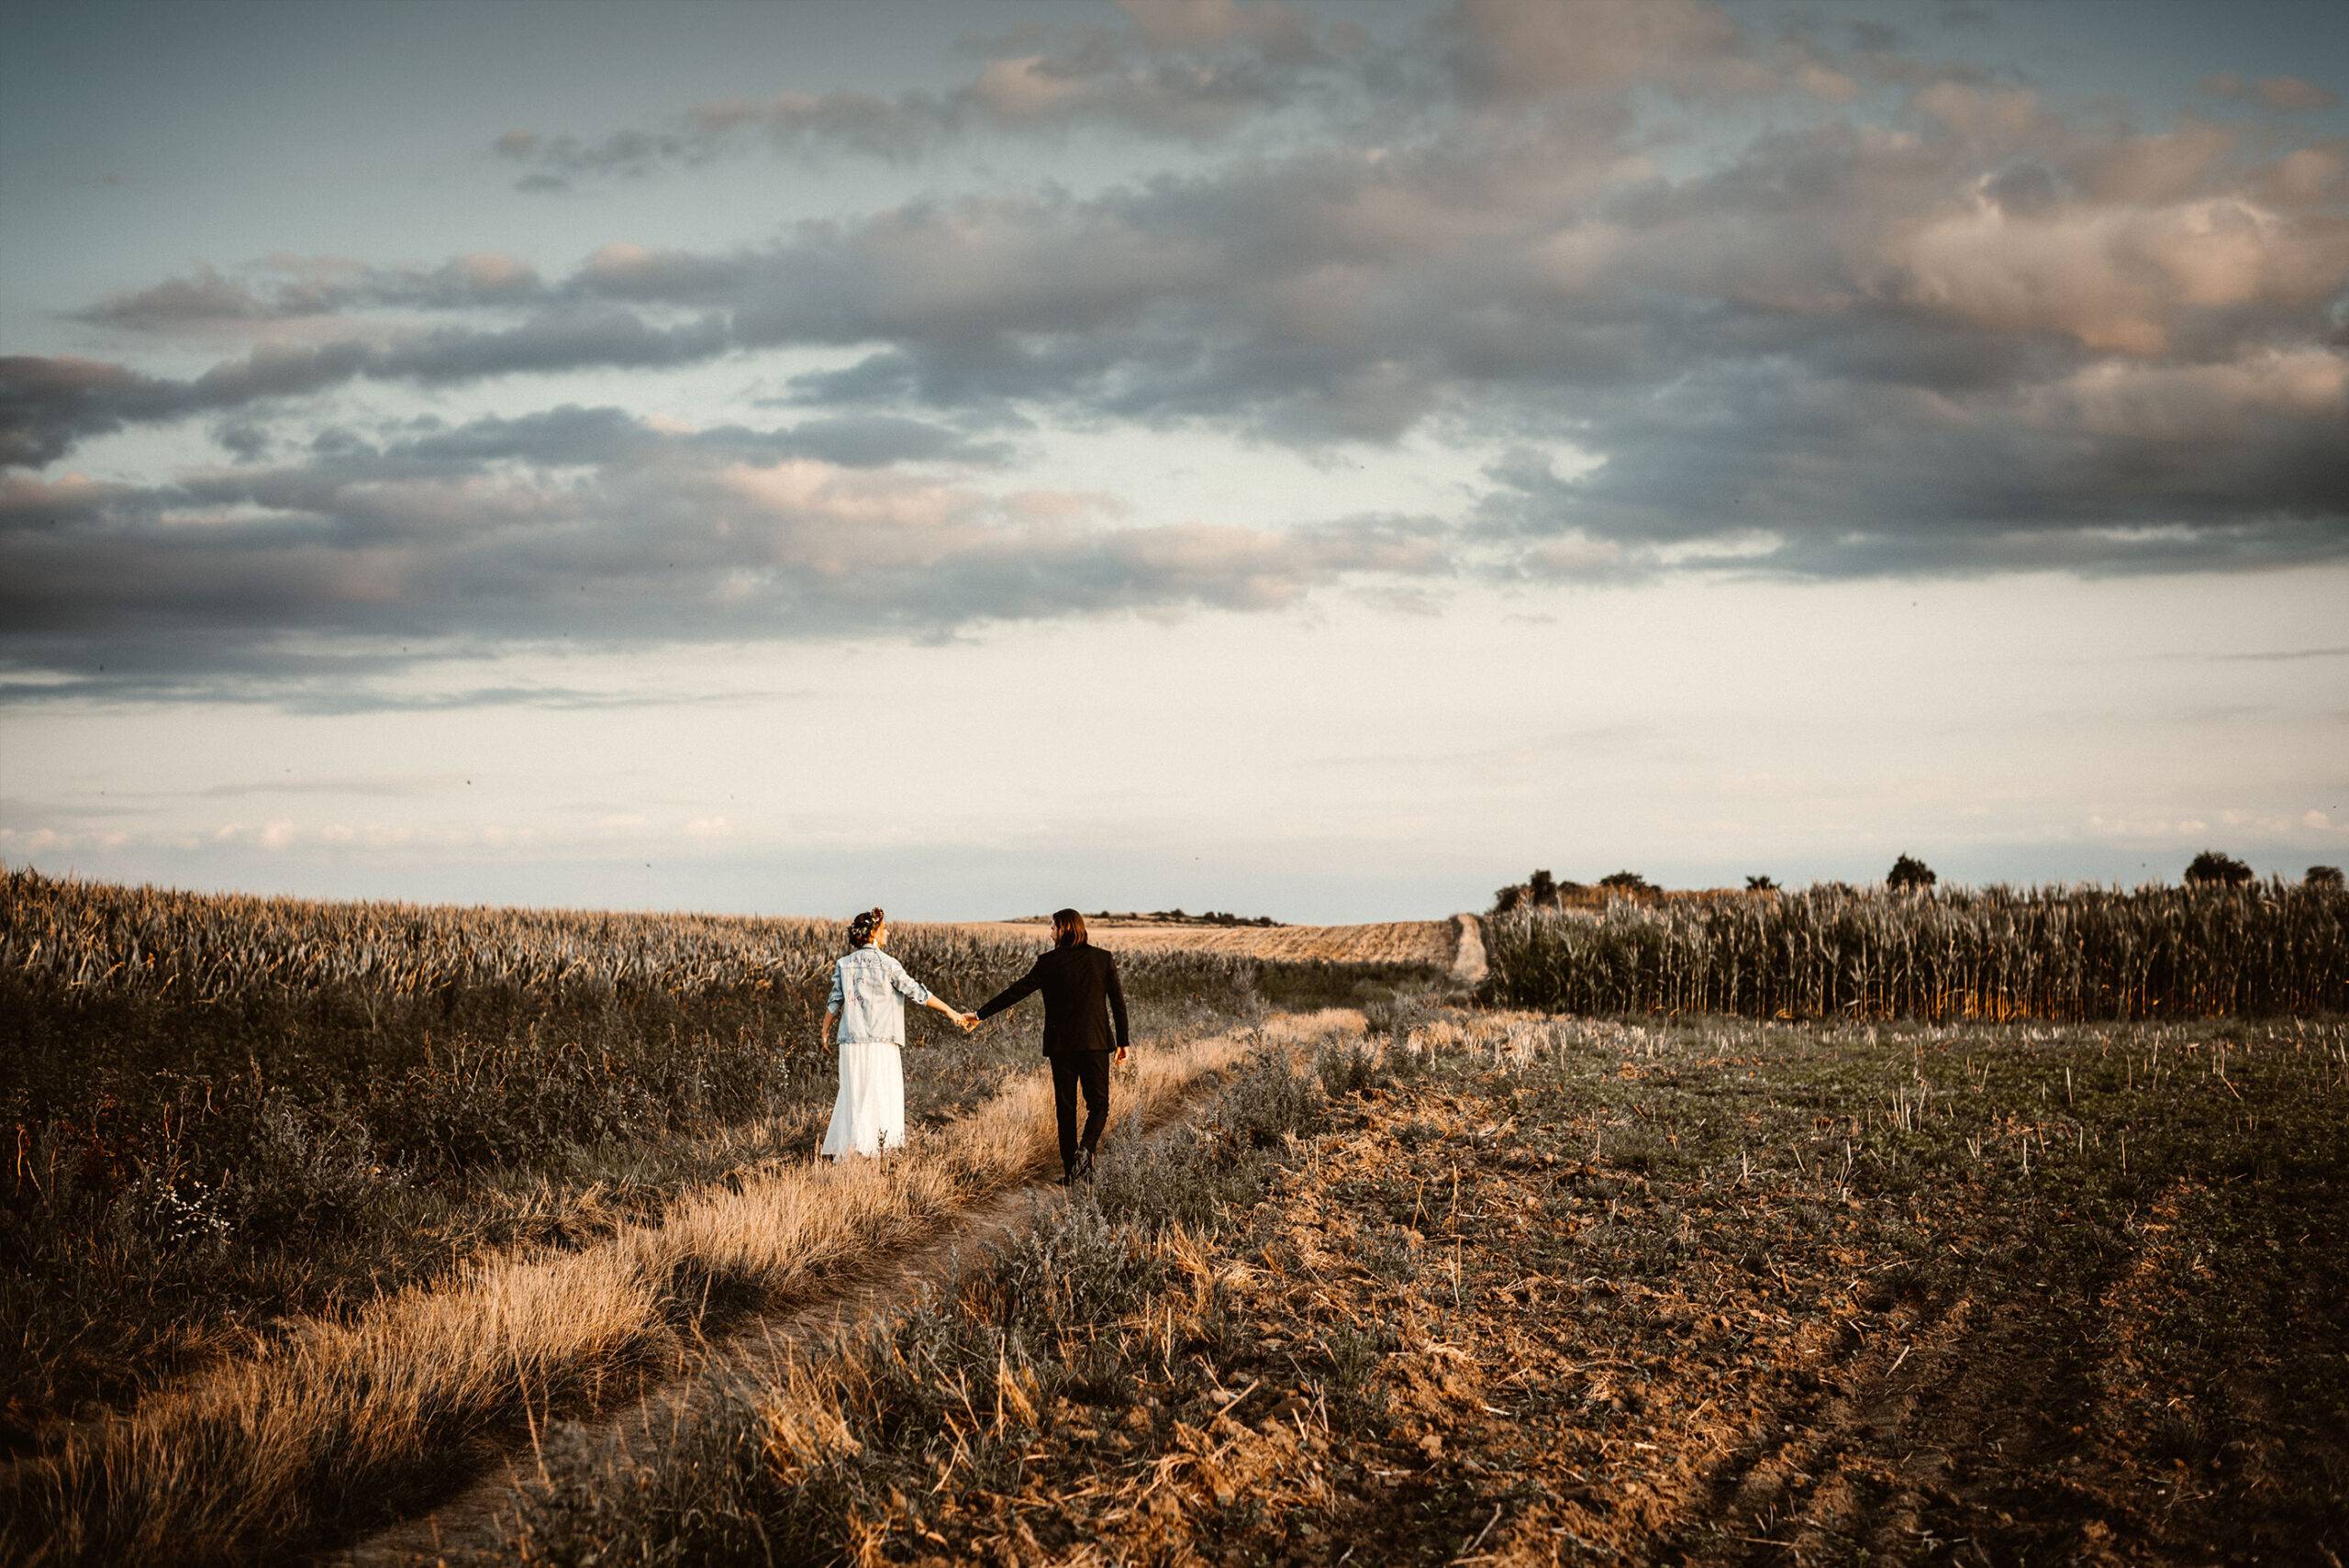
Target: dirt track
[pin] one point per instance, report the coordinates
(1468, 956)
(763, 1343)
(474, 1517)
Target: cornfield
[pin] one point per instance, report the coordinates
(104, 989)
(2049, 954)
(219, 1110)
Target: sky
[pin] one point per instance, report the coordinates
(1321, 461)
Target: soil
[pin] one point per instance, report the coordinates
(1745, 1295)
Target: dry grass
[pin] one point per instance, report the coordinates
(1431, 943)
(346, 1423)
(228, 1114)
(1724, 1293)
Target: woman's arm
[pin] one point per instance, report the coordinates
(913, 990)
(939, 1005)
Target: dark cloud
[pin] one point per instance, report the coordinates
(292, 288)
(48, 404)
(1971, 331)
(1195, 71)
(306, 584)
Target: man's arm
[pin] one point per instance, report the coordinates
(1015, 993)
(1117, 1002)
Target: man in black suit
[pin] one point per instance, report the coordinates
(1079, 981)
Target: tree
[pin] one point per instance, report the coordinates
(1541, 889)
(2323, 876)
(1508, 900)
(2211, 869)
(1910, 874)
(1761, 884)
(1625, 882)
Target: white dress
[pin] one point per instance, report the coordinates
(870, 991)
(869, 1113)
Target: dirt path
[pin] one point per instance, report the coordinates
(758, 1346)
(475, 1517)
(1468, 959)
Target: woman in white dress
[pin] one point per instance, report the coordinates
(870, 991)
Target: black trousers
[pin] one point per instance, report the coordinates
(1090, 1069)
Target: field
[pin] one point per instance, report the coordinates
(2058, 954)
(1429, 942)
(1510, 1289)
(236, 1122)
(347, 1225)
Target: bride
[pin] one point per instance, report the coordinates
(870, 991)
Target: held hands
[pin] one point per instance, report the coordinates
(969, 1021)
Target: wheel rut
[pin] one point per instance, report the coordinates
(1468, 967)
(754, 1346)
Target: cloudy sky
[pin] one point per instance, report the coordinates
(1318, 459)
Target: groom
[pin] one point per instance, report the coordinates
(1076, 979)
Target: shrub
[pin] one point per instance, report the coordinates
(1539, 891)
(2210, 868)
(1626, 882)
(2323, 876)
(1910, 874)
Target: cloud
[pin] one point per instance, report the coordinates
(1197, 71)
(294, 288)
(1501, 51)
(1946, 325)
(307, 583)
(2287, 655)
(2114, 468)
(46, 405)
(2288, 94)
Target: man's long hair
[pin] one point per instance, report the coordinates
(1068, 927)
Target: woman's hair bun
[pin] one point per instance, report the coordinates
(860, 929)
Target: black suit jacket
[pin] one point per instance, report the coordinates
(1076, 981)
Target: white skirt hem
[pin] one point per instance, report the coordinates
(869, 1112)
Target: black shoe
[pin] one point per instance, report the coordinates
(1083, 1171)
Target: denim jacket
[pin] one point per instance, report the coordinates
(870, 990)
